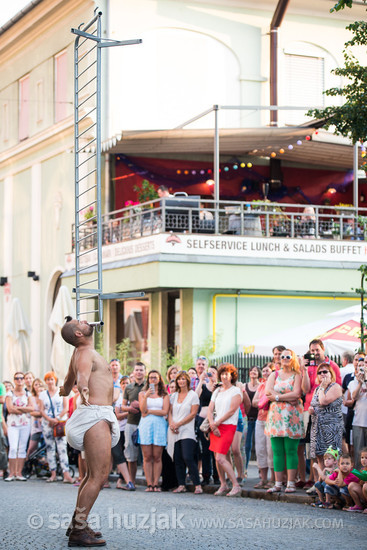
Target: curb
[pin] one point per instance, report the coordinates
(292, 498)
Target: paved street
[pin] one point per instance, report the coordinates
(138, 521)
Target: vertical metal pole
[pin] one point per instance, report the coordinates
(355, 176)
(76, 168)
(98, 166)
(216, 167)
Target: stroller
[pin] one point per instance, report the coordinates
(37, 464)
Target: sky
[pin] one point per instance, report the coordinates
(10, 8)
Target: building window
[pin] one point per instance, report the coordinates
(5, 124)
(306, 74)
(24, 108)
(40, 101)
(132, 323)
(60, 87)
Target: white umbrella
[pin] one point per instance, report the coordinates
(61, 351)
(18, 331)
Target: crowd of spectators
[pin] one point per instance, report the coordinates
(296, 414)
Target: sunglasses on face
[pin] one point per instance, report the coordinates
(323, 372)
(286, 357)
(19, 378)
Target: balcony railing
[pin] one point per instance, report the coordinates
(255, 219)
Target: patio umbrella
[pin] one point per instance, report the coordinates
(18, 331)
(344, 337)
(61, 351)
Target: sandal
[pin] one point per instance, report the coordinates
(149, 489)
(235, 492)
(274, 489)
(221, 491)
(198, 491)
(157, 489)
(290, 490)
(327, 505)
(180, 489)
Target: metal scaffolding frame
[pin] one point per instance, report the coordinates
(87, 135)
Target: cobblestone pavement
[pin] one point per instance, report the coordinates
(34, 516)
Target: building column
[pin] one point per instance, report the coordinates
(35, 286)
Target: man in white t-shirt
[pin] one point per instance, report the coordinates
(357, 390)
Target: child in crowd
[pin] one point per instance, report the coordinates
(331, 463)
(337, 483)
(358, 490)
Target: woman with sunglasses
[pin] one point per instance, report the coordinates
(326, 414)
(19, 406)
(284, 424)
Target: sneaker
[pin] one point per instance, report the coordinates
(129, 487)
(21, 478)
(9, 478)
(300, 484)
(312, 490)
(308, 484)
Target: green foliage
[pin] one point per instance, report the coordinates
(341, 4)
(123, 349)
(349, 119)
(99, 343)
(146, 192)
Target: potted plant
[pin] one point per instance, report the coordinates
(146, 192)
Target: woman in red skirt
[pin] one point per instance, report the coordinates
(225, 404)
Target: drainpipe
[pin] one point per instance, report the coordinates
(274, 26)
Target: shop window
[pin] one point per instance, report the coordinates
(173, 323)
(132, 321)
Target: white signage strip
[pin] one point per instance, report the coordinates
(229, 246)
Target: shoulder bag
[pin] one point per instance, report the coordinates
(59, 428)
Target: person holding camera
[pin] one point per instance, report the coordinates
(357, 393)
(309, 365)
(154, 406)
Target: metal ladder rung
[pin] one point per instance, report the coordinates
(88, 282)
(86, 69)
(86, 53)
(85, 101)
(86, 191)
(89, 296)
(86, 160)
(86, 130)
(87, 144)
(84, 268)
(87, 206)
(88, 220)
(87, 251)
(86, 84)
(89, 173)
(87, 236)
(85, 116)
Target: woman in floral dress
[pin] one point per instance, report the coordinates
(284, 424)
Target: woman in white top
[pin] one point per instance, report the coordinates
(184, 406)
(54, 408)
(154, 405)
(19, 406)
(36, 428)
(226, 401)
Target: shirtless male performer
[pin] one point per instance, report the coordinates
(93, 426)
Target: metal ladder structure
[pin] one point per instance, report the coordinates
(87, 149)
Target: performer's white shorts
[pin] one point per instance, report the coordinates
(84, 418)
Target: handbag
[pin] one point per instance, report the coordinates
(135, 437)
(205, 427)
(264, 403)
(59, 428)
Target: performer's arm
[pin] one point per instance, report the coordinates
(84, 369)
(69, 381)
